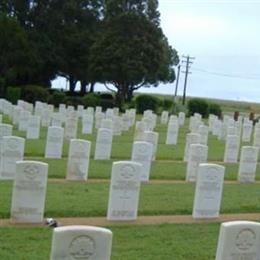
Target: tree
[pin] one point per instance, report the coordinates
(132, 51)
(75, 26)
(14, 53)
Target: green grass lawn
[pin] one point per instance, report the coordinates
(73, 199)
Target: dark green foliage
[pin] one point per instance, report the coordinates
(198, 105)
(13, 94)
(91, 100)
(34, 93)
(73, 101)
(167, 104)
(14, 53)
(145, 102)
(107, 101)
(58, 97)
(215, 109)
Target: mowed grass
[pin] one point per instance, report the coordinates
(156, 242)
(74, 199)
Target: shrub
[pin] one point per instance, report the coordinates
(73, 101)
(58, 97)
(198, 105)
(91, 100)
(215, 109)
(167, 104)
(145, 102)
(32, 93)
(107, 101)
(13, 94)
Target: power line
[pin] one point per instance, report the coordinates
(226, 74)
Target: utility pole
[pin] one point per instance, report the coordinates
(177, 81)
(187, 67)
(176, 88)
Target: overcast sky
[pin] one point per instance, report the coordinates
(224, 38)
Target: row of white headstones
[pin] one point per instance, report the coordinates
(240, 239)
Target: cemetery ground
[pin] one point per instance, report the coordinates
(166, 194)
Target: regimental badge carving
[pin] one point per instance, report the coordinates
(245, 239)
(31, 171)
(212, 174)
(82, 247)
(12, 144)
(127, 171)
(142, 148)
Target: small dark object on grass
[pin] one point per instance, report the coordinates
(51, 222)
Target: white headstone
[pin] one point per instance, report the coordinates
(142, 153)
(247, 132)
(33, 128)
(103, 144)
(198, 154)
(124, 191)
(87, 123)
(248, 163)
(164, 117)
(204, 132)
(71, 127)
(208, 191)
(29, 192)
(140, 128)
(54, 142)
(78, 159)
(23, 120)
(13, 151)
(190, 139)
(172, 132)
(231, 149)
(239, 240)
(81, 242)
(153, 138)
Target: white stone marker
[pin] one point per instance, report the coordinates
(78, 159)
(248, 163)
(190, 139)
(54, 142)
(103, 144)
(140, 128)
(198, 154)
(87, 123)
(181, 117)
(142, 153)
(172, 132)
(239, 240)
(124, 191)
(204, 132)
(81, 242)
(23, 120)
(13, 151)
(231, 149)
(247, 132)
(208, 191)
(71, 127)
(164, 117)
(29, 192)
(33, 128)
(57, 119)
(153, 138)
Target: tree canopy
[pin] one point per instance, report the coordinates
(118, 42)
